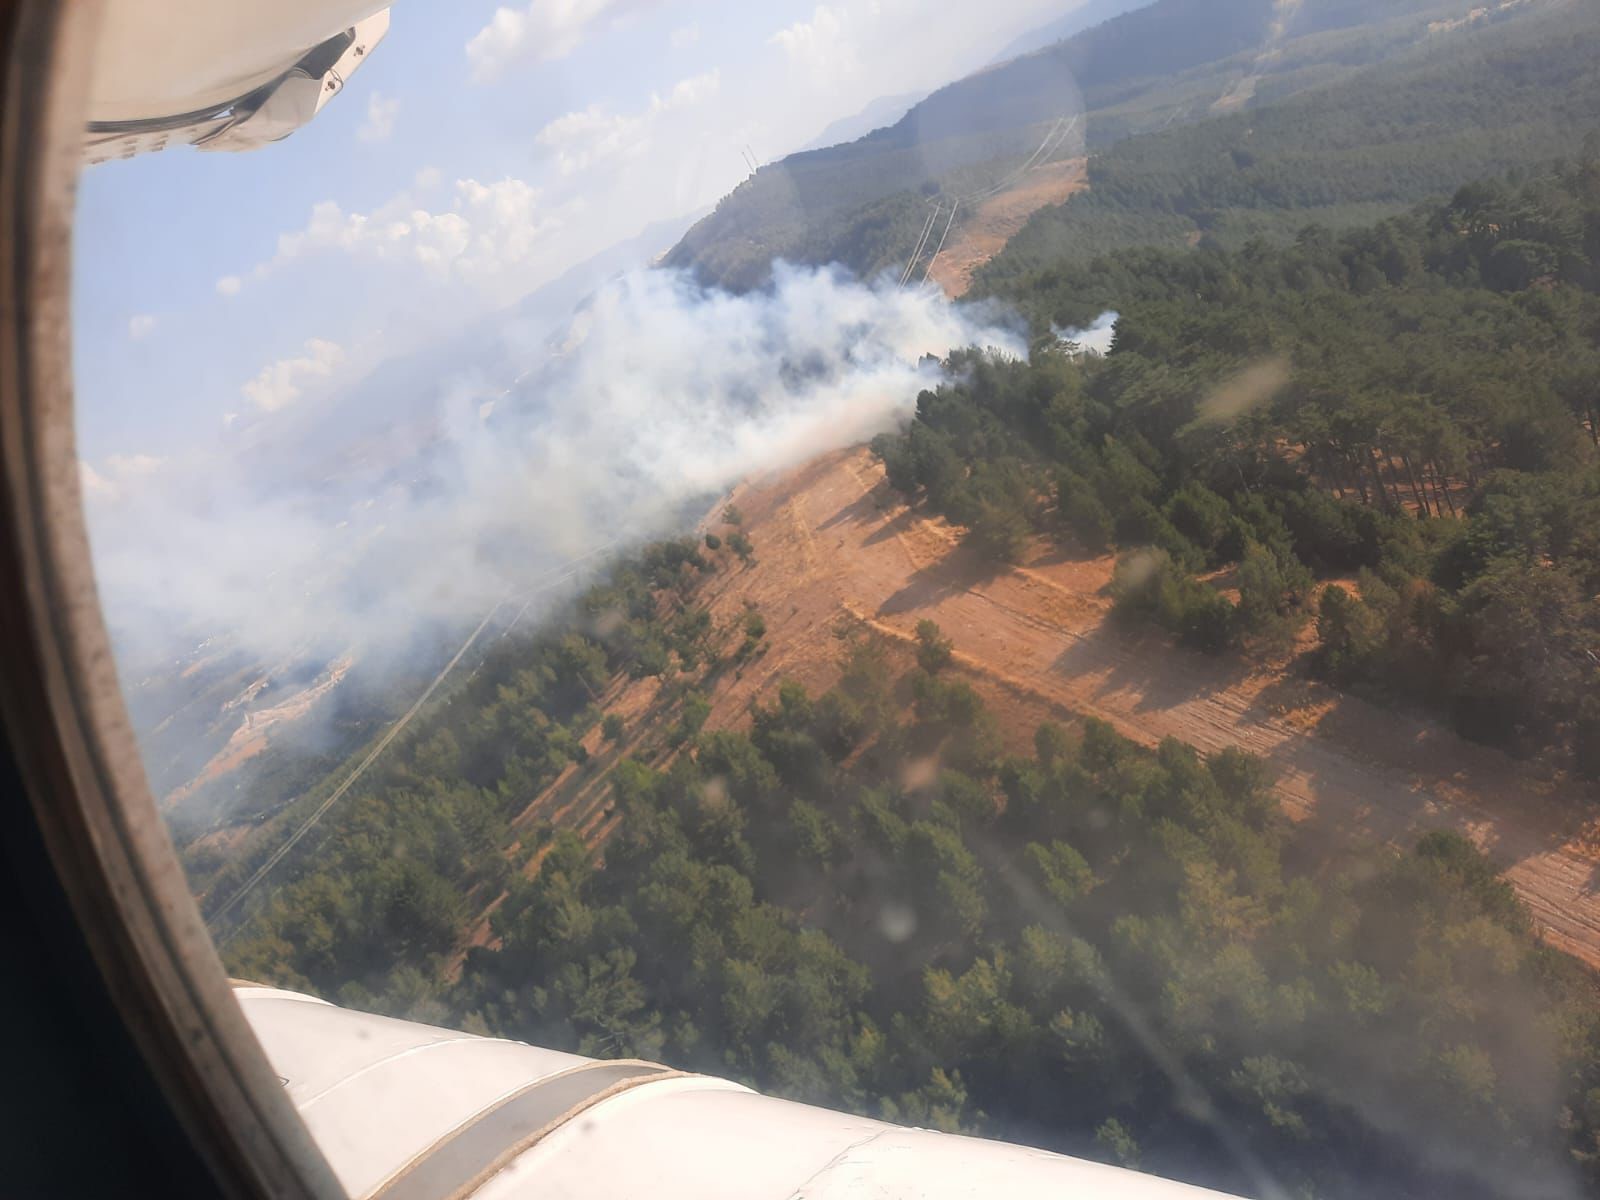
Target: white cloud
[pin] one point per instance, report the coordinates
(95, 485)
(381, 113)
(281, 383)
(593, 134)
(229, 285)
(849, 51)
(127, 465)
(141, 326)
(821, 45)
(682, 39)
(428, 177)
(504, 226)
(117, 473)
(331, 228)
(690, 91)
(490, 234)
(544, 30)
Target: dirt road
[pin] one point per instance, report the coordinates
(831, 540)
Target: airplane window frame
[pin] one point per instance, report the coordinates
(60, 702)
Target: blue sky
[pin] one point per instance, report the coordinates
(482, 150)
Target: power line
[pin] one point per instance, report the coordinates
(1052, 141)
(338, 793)
(570, 568)
(921, 242)
(942, 237)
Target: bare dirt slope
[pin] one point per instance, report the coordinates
(978, 236)
(834, 546)
(259, 727)
(832, 541)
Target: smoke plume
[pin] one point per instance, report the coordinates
(658, 395)
(1096, 338)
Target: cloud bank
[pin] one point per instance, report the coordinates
(594, 134)
(490, 240)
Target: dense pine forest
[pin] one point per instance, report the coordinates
(862, 901)
(1411, 409)
(1361, 111)
(1375, 446)
(1094, 948)
(1340, 155)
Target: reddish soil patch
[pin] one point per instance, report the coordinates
(255, 733)
(832, 540)
(834, 546)
(981, 234)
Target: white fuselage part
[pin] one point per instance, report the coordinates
(404, 1110)
(232, 75)
(162, 58)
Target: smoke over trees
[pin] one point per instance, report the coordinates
(1096, 948)
(863, 900)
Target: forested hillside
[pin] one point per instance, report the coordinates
(1172, 63)
(1093, 948)
(1476, 103)
(863, 901)
(1415, 405)
(1367, 448)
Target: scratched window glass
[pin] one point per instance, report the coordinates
(1025, 569)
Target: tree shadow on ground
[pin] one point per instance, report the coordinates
(902, 521)
(1149, 664)
(962, 570)
(1058, 552)
(863, 510)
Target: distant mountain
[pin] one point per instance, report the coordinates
(885, 110)
(1085, 16)
(1172, 62)
(1513, 86)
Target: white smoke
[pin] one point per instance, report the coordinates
(661, 395)
(1097, 338)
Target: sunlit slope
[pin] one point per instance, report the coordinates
(864, 204)
(835, 544)
(906, 836)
